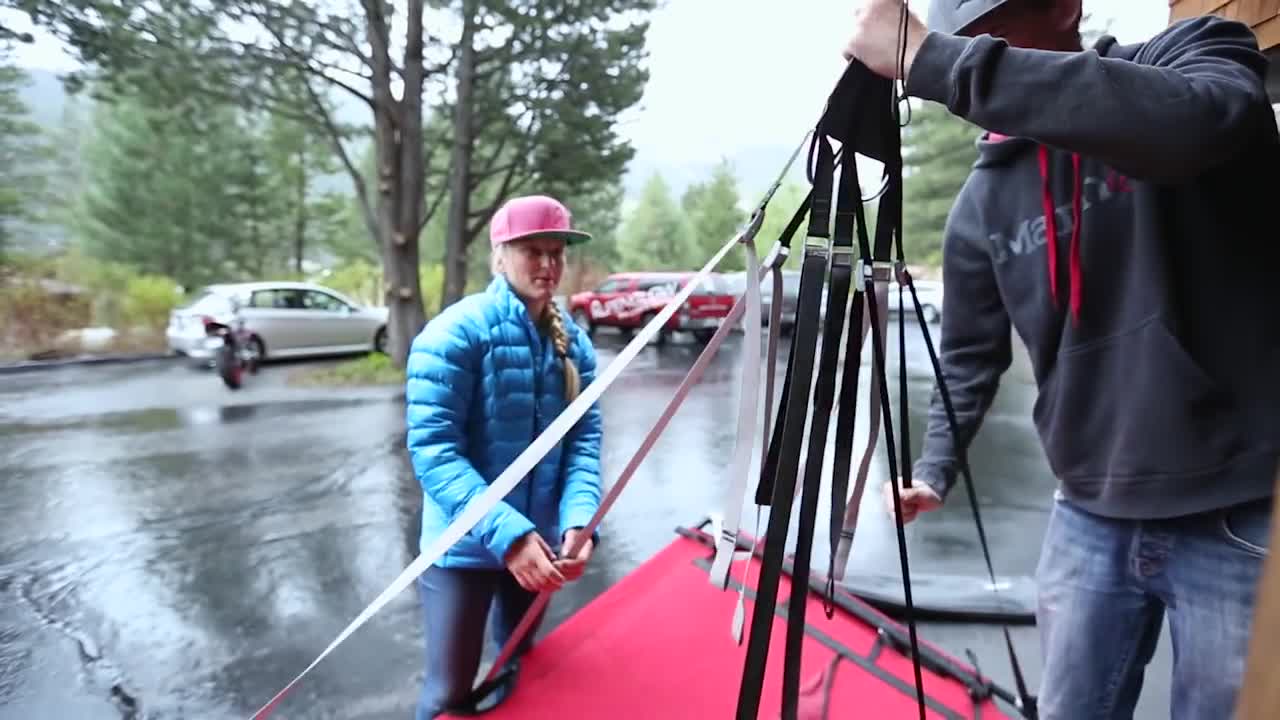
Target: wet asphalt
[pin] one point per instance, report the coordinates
(171, 549)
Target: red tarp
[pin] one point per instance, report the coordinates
(657, 646)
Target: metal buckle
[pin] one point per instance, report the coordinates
(882, 270)
(748, 234)
(816, 245)
(843, 255)
(901, 274)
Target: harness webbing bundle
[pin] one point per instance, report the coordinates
(861, 115)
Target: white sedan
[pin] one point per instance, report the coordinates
(930, 294)
(285, 320)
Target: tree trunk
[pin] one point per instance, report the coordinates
(300, 221)
(457, 235)
(398, 146)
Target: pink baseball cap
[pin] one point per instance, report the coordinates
(533, 216)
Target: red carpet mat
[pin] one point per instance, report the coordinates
(657, 646)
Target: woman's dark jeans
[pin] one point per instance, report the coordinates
(456, 603)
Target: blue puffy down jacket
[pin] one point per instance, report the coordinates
(482, 383)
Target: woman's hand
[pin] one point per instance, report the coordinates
(572, 567)
(533, 564)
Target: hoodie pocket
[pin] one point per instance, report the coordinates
(1134, 404)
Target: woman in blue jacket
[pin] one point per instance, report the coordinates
(484, 378)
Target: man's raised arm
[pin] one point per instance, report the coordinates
(1187, 100)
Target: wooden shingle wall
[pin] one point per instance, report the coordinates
(1261, 15)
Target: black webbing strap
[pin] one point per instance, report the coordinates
(841, 274)
(844, 445)
(867, 124)
(769, 469)
(1026, 701)
(779, 474)
(789, 431)
(885, 226)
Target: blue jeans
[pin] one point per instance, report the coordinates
(1105, 586)
(456, 603)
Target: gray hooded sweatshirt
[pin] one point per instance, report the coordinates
(1123, 218)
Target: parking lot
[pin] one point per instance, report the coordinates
(175, 550)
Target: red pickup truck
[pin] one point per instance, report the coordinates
(630, 300)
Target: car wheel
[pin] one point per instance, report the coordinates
(662, 335)
(256, 353)
(380, 341)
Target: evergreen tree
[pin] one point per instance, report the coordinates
(302, 219)
(23, 155)
(599, 212)
(939, 150)
(714, 216)
(537, 89)
(256, 55)
(656, 235)
(784, 204)
(174, 192)
(67, 141)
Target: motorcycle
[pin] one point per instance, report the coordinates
(233, 349)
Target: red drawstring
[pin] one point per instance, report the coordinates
(1076, 292)
(1051, 232)
(1050, 223)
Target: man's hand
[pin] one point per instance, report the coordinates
(877, 25)
(572, 567)
(916, 499)
(533, 564)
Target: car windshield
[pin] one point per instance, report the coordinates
(717, 284)
(734, 283)
(207, 300)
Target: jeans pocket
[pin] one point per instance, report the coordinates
(1247, 526)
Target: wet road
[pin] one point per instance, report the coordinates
(173, 550)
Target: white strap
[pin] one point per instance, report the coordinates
(748, 406)
(771, 354)
(850, 524)
(480, 505)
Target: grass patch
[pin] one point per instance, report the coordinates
(371, 369)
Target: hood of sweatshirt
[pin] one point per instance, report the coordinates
(996, 149)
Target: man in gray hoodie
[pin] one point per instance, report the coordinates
(1120, 220)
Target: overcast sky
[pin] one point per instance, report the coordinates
(733, 73)
(761, 70)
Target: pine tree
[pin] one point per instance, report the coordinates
(714, 216)
(301, 218)
(23, 154)
(599, 212)
(537, 89)
(656, 235)
(256, 54)
(173, 192)
(939, 150)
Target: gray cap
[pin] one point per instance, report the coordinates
(954, 16)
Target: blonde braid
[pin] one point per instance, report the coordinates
(560, 339)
